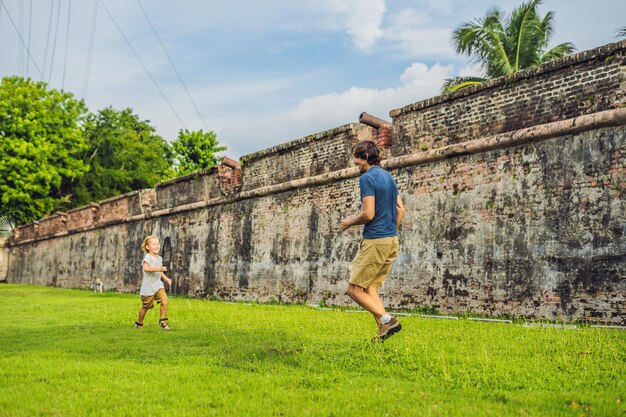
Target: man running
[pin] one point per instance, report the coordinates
(381, 213)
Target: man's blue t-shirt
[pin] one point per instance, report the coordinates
(379, 183)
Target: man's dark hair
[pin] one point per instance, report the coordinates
(367, 150)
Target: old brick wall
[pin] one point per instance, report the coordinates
(584, 83)
(83, 217)
(313, 155)
(187, 189)
(527, 223)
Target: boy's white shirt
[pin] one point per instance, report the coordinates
(151, 282)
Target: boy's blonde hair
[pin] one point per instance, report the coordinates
(146, 240)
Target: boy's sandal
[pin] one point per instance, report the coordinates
(138, 325)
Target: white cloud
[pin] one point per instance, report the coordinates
(363, 22)
(416, 34)
(418, 82)
(360, 19)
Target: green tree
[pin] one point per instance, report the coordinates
(41, 148)
(124, 154)
(504, 45)
(196, 150)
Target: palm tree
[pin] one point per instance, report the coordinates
(621, 32)
(504, 45)
(5, 227)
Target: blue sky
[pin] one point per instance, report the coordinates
(262, 72)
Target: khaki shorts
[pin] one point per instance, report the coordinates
(373, 261)
(148, 300)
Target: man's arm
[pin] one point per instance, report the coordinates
(366, 215)
(399, 212)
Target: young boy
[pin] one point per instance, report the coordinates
(152, 284)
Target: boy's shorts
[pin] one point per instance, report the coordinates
(373, 261)
(148, 300)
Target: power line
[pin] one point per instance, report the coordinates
(173, 66)
(90, 52)
(143, 65)
(45, 55)
(67, 37)
(20, 36)
(30, 26)
(20, 51)
(54, 43)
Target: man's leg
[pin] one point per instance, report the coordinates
(373, 292)
(362, 296)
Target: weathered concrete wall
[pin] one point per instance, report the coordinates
(527, 230)
(530, 222)
(4, 259)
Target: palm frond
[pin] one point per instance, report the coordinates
(546, 28)
(522, 30)
(493, 51)
(481, 39)
(621, 32)
(468, 37)
(456, 83)
(558, 51)
(6, 227)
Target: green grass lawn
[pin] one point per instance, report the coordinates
(76, 353)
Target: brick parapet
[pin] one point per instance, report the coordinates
(122, 207)
(583, 83)
(52, 225)
(383, 137)
(25, 233)
(147, 201)
(230, 178)
(313, 155)
(82, 217)
(190, 188)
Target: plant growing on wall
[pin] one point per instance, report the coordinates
(505, 44)
(196, 151)
(41, 148)
(5, 227)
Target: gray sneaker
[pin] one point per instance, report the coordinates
(385, 331)
(164, 325)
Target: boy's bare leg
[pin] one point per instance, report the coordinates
(363, 298)
(163, 309)
(142, 314)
